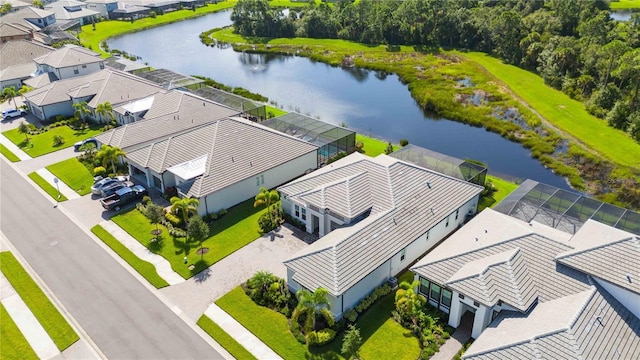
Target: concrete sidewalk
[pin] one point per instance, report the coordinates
(64, 189)
(243, 336)
(26, 321)
(162, 265)
(13, 148)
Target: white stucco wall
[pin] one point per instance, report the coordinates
(248, 188)
(627, 298)
(357, 292)
(63, 108)
(67, 72)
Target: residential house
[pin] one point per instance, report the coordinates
(374, 216)
(69, 61)
(158, 6)
(536, 291)
(16, 4)
(31, 17)
(17, 60)
(72, 10)
(12, 32)
(103, 7)
(129, 12)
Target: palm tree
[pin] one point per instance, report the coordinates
(313, 304)
(10, 92)
(408, 301)
(24, 89)
(184, 206)
(81, 110)
(109, 154)
(23, 128)
(259, 284)
(105, 110)
(267, 198)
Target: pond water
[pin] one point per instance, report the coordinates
(369, 102)
(621, 15)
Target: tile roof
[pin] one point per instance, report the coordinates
(516, 270)
(69, 55)
(236, 149)
(41, 80)
(21, 52)
(171, 112)
(22, 71)
(19, 17)
(590, 324)
(13, 30)
(607, 253)
(395, 191)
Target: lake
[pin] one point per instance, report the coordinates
(368, 102)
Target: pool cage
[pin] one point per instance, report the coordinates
(171, 80)
(330, 139)
(444, 164)
(564, 210)
(253, 111)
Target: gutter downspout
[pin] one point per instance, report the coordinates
(206, 206)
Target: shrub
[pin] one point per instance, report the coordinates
(222, 212)
(99, 171)
(320, 337)
(351, 315)
(172, 219)
(58, 140)
(404, 142)
(146, 199)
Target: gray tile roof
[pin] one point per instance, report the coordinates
(607, 253)
(41, 80)
(590, 324)
(21, 52)
(237, 149)
(69, 55)
(171, 112)
(13, 30)
(397, 193)
(17, 72)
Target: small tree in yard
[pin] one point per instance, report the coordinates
(351, 343)
(23, 128)
(58, 140)
(389, 148)
(267, 199)
(313, 304)
(184, 206)
(409, 303)
(155, 213)
(198, 230)
(109, 154)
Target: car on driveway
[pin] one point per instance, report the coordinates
(12, 113)
(111, 189)
(79, 144)
(96, 189)
(123, 197)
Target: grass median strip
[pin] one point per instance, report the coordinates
(48, 188)
(144, 268)
(12, 343)
(8, 154)
(74, 174)
(224, 339)
(49, 317)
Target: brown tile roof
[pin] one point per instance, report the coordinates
(20, 52)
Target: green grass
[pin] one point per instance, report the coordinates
(8, 154)
(51, 320)
(74, 174)
(382, 337)
(275, 111)
(42, 144)
(503, 188)
(224, 339)
(372, 146)
(105, 29)
(13, 344)
(46, 186)
(144, 268)
(229, 233)
(563, 112)
(624, 4)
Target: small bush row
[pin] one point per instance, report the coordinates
(320, 337)
(352, 314)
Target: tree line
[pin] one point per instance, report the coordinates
(573, 45)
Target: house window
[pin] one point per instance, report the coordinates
(435, 293)
(261, 179)
(476, 304)
(446, 224)
(76, 70)
(101, 65)
(457, 211)
(84, 66)
(427, 236)
(304, 213)
(403, 254)
(424, 286)
(297, 211)
(257, 180)
(446, 298)
(461, 296)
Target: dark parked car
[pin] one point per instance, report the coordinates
(79, 144)
(123, 197)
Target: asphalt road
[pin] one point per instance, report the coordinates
(123, 318)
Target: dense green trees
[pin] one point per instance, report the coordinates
(573, 44)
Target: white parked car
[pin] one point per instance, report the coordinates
(12, 113)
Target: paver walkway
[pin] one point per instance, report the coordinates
(26, 322)
(243, 336)
(64, 189)
(462, 334)
(162, 265)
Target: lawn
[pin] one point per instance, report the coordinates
(275, 111)
(74, 174)
(13, 344)
(372, 146)
(144, 268)
(51, 320)
(383, 338)
(229, 233)
(503, 188)
(42, 144)
(8, 154)
(224, 339)
(563, 112)
(46, 186)
(624, 4)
